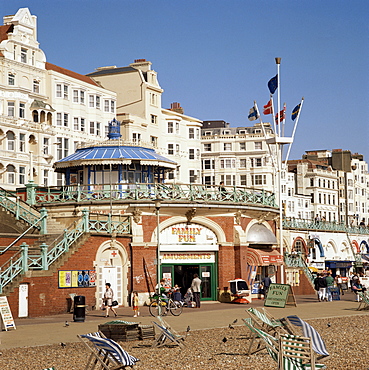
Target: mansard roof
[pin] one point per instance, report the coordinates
(69, 73)
(4, 30)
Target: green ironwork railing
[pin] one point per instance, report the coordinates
(22, 261)
(302, 224)
(20, 209)
(141, 191)
(296, 260)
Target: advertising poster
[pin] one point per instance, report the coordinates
(77, 279)
(6, 314)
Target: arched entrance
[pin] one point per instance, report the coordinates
(112, 267)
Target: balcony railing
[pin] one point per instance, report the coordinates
(144, 191)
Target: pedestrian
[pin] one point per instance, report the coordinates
(266, 284)
(356, 288)
(320, 285)
(108, 300)
(195, 287)
(330, 284)
(222, 189)
(339, 283)
(136, 311)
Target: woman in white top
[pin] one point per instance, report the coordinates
(108, 300)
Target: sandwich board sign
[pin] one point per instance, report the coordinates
(6, 314)
(279, 295)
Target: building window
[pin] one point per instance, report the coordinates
(170, 149)
(83, 126)
(154, 141)
(243, 162)
(46, 143)
(170, 127)
(75, 96)
(98, 128)
(106, 106)
(92, 128)
(243, 180)
(243, 146)
(22, 142)
(154, 119)
(191, 153)
(191, 133)
(256, 162)
(112, 106)
(228, 163)
(227, 147)
(58, 91)
(11, 174)
(46, 177)
(192, 176)
(23, 55)
(82, 97)
(208, 164)
(177, 149)
(75, 124)
(97, 102)
(66, 92)
(91, 101)
(66, 119)
(36, 86)
(62, 147)
(311, 181)
(259, 180)
(11, 109)
(11, 79)
(10, 138)
(177, 128)
(58, 119)
(136, 136)
(22, 175)
(258, 145)
(22, 110)
(207, 147)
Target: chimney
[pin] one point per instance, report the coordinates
(142, 64)
(176, 107)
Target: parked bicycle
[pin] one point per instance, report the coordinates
(160, 306)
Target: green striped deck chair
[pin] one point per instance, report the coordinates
(364, 301)
(296, 353)
(267, 341)
(263, 322)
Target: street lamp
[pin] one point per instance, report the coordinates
(157, 203)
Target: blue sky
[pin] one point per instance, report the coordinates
(216, 57)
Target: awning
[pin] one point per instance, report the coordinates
(260, 257)
(338, 264)
(365, 258)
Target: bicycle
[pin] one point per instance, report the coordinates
(160, 306)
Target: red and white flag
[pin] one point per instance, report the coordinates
(279, 117)
(268, 108)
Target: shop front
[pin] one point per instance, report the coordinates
(187, 250)
(338, 267)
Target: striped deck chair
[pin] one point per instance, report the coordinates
(106, 353)
(317, 342)
(166, 334)
(263, 321)
(296, 353)
(364, 301)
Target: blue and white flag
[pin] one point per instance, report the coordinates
(273, 84)
(253, 114)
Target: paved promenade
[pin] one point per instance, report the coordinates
(52, 329)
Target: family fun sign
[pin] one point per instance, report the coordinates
(279, 295)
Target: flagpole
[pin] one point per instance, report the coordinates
(273, 119)
(294, 130)
(278, 62)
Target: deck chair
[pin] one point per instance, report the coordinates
(105, 353)
(364, 301)
(317, 342)
(167, 334)
(296, 353)
(265, 322)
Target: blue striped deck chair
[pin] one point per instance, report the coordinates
(317, 342)
(165, 335)
(296, 353)
(106, 353)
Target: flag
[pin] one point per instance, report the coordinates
(295, 112)
(253, 114)
(268, 108)
(279, 117)
(273, 84)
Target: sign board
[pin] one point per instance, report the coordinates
(335, 293)
(6, 314)
(279, 295)
(77, 279)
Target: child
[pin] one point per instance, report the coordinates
(135, 304)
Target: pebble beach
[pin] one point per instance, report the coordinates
(346, 339)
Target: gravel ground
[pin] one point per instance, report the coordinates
(346, 339)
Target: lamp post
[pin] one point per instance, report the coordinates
(157, 207)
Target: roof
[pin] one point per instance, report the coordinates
(69, 73)
(106, 154)
(4, 30)
(113, 70)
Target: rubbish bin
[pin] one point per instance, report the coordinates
(79, 311)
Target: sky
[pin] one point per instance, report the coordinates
(215, 57)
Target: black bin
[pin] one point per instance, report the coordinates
(79, 311)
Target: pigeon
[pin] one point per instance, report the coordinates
(66, 323)
(230, 326)
(234, 321)
(63, 345)
(188, 328)
(224, 340)
(329, 325)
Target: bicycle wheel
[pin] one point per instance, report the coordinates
(154, 309)
(175, 308)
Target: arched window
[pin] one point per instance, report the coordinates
(10, 169)
(10, 137)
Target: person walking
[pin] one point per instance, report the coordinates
(266, 284)
(136, 311)
(196, 288)
(108, 300)
(330, 284)
(320, 285)
(339, 282)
